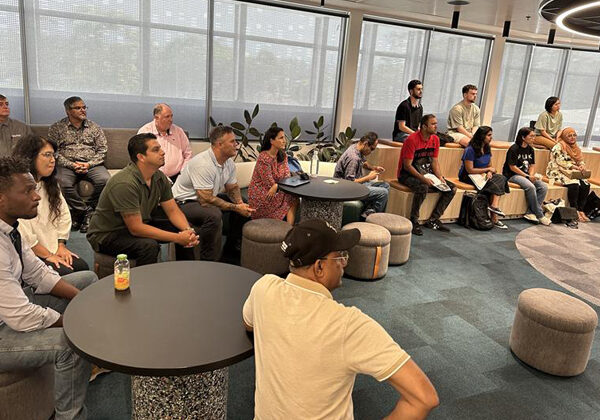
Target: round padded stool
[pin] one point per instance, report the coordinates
(261, 246)
(400, 228)
(369, 258)
(553, 332)
(104, 265)
(27, 394)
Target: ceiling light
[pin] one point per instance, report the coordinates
(458, 2)
(560, 18)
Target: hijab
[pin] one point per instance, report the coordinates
(572, 150)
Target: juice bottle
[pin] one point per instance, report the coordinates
(122, 272)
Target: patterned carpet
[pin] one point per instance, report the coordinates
(568, 257)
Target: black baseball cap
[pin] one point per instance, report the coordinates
(312, 239)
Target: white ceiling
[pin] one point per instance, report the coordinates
(480, 16)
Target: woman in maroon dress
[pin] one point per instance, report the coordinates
(271, 166)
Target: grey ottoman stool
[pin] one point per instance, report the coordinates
(369, 258)
(27, 394)
(553, 332)
(261, 246)
(400, 228)
(104, 265)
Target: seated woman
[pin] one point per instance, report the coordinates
(476, 160)
(565, 156)
(271, 166)
(549, 124)
(48, 232)
(519, 168)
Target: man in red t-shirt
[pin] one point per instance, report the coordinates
(419, 157)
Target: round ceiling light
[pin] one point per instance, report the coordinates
(580, 17)
(458, 2)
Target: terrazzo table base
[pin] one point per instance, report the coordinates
(330, 211)
(202, 396)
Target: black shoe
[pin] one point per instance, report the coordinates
(416, 230)
(86, 221)
(436, 225)
(75, 225)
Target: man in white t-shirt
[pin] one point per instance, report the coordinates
(308, 348)
(207, 187)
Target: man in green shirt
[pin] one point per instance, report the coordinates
(128, 218)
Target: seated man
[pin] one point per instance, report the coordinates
(200, 187)
(308, 348)
(350, 166)
(128, 219)
(418, 158)
(409, 112)
(464, 117)
(11, 131)
(172, 139)
(81, 148)
(33, 297)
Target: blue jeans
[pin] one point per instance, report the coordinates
(27, 350)
(535, 193)
(378, 195)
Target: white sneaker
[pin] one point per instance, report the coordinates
(545, 221)
(531, 217)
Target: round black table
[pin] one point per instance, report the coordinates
(324, 200)
(178, 318)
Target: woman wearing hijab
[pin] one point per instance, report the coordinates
(565, 156)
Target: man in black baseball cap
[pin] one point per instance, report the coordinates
(304, 339)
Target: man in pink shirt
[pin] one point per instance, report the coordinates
(172, 139)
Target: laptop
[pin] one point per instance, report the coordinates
(294, 181)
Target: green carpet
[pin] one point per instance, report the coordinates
(451, 307)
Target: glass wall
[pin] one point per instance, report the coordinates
(11, 75)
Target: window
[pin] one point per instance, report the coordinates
(453, 61)
(508, 95)
(390, 56)
(11, 75)
(285, 60)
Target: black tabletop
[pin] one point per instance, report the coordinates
(179, 318)
(318, 189)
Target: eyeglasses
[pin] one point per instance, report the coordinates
(4, 105)
(79, 108)
(344, 257)
(49, 155)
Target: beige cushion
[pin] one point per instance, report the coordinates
(266, 230)
(261, 246)
(370, 234)
(27, 394)
(369, 258)
(397, 225)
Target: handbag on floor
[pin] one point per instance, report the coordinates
(567, 215)
(592, 206)
(474, 213)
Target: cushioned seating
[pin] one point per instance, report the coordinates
(27, 394)
(261, 246)
(462, 185)
(400, 230)
(597, 149)
(352, 211)
(400, 202)
(553, 332)
(104, 265)
(595, 181)
(369, 258)
(452, 145)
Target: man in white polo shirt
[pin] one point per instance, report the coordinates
(308, 348)
(207, 187)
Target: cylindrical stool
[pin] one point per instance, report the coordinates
(369, 258)
(400, 228)
(261, 246)
(553, 332)
(27, 394)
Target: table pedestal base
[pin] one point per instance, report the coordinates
(330, 211)
(202, 396)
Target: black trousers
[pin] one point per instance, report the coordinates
(577, 194)
(78, 265)
(206, 220)
(236, 223)
(68, 178)
(420, 191)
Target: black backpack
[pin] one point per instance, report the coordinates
(592, 206)
(474, 213)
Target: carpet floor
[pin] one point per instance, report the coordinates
(451, 306)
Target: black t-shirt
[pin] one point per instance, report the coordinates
(411, 116)
(521, 157)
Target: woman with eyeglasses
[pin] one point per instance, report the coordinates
(48, 232)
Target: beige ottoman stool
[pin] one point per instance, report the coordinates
(261, 246)
(553, 332)
(104, 265)
(400, 228)
(369, 258)
(27, 394)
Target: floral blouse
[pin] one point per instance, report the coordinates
(560, 159)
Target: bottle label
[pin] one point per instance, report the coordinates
(122, 280)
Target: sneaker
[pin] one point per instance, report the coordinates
(416, 230)
(500, 225)
(497, 211)
(97, 370)
(544, 221)
(531, 218)
(436, 225)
